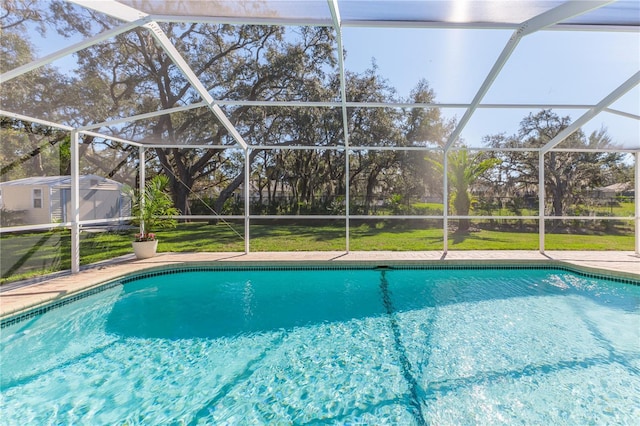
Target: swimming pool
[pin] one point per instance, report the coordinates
(336, 346)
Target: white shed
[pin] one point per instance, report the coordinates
(47, 199)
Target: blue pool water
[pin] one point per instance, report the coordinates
(442, 347)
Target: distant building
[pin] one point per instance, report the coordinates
(47, 199)
(611, 192)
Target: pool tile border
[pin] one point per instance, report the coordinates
(31, 313)
(389, 266)
(374, 265)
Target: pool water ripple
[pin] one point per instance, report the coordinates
(332, 347)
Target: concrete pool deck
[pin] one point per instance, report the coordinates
(24, 295)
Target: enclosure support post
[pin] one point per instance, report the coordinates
(445, 201)
(141, 183)
(346, 197)
(337, 26)
(247, 173)
(541, 201)
(75, 204)
(636, 193)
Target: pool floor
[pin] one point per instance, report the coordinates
(359, 347)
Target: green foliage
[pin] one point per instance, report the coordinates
(396, 203)
(12, 217)
(131, 74)
(30, 149)
(427, 209)
(337, 205)
(152, 208)
(33, 254)
(463, 171)
(567, 173)
(232, 206)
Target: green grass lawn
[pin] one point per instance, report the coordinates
(619, 210)
(33, 254)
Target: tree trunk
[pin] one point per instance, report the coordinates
(463, 225)
(462, 205)
(227, 192)
(372, 179)
(181, 197)
(557, 204)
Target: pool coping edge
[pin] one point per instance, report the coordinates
(68, 297)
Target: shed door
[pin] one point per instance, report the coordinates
(65, 204)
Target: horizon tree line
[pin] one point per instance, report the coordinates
(131, 75)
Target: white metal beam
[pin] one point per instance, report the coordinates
(143, 116)
(113, 8)
(620, 150)
(75, 203)
(534, 106)
(330, 104)
(35, 120)
(584, 118)
(484, 88)
(111, 138)
(247, 205)
(541, 203)
(366, 104)
(127, 13)
(558, 14)
(228, 125)
(64, 127)
(70, 50)
(637, 201)
(142, 181)
(622, 113)
(335, 16)
(445, 202)
(355, 23)
(195, 82)
(482, 26)
(245, 20)
(185, 146)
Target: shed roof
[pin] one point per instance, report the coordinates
(57, 181)
(616, 187)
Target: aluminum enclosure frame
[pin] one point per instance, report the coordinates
(551, 20)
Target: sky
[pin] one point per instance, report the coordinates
(546, 67)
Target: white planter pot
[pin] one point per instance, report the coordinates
(145, 249)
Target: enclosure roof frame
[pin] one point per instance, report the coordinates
(556, 18)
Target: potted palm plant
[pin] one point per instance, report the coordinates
(152, 210)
